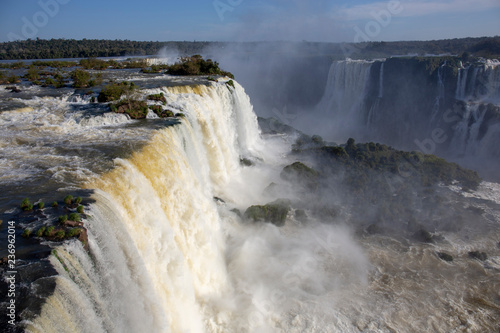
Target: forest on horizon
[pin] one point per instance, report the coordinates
(486, 47)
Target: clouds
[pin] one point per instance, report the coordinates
(415, 8)
(337, 21)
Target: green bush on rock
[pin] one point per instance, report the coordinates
(114, 91)
(68, 199)
(26, 233)
(26, 205)
(134, 108)
(196, 65)
(301, 174)
(157, 98)
(274, 212)
(83, 79)
(40, 232)
(74, 217)
(73, 232)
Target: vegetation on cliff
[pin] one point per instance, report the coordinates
(115, 90)
(196, 65)
(134, 108)
(65, 227)
(274, 212)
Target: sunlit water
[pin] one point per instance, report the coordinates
(166, 257)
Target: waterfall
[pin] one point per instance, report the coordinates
(479, 82)
(381, 82)
(156, 261)
(465, 139)
(345, 93)
(164, 256)
(440, 93)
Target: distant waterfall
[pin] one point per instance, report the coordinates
(440, 92)
(479, 82)
(399, 101)
(345, 93)
(381, 82)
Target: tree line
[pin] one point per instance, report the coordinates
(488, 47)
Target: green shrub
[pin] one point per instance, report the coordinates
(78, 200)
(131, 63)
(13, 79)
(26, 204)
(196, 65)
(93, 63)
(33, 74)
(113, 91)
(60, 234)
(160, 112)
(134, 108)
(63, 219)
(54, 64)
(40, 232)
(79, 209)
(84, 79)
(80, 78)
(74, 217)
(230, 83)
(59, 80)
(152, 70)
(41, 205)
(48, 232)
(73, 232)
(48, 82)
(26, 233)
(17, 65)
(68, 199)
(157, 98)
(55, 204)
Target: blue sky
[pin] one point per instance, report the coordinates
(249, 20)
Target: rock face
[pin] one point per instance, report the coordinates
(441, 105)
(274, 212)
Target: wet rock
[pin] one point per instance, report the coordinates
(374, 229)
(246, 162)
(445, 256)
(423, 236)
(219, 200)
(482, 256)
(237, 212)
(300, 215)
(13, 89)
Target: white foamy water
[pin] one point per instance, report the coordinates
(164, 256)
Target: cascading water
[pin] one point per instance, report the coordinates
(480, 82)
(165, 256)
(381, 82)
(154, 231)
(344, 94)
(402, 102)
(440, 93)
